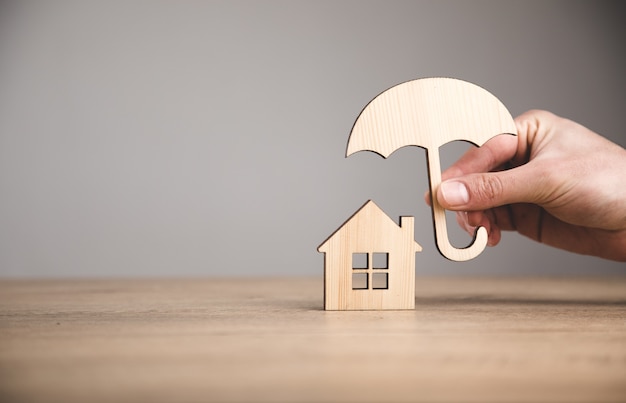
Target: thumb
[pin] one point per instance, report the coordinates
(483, 191)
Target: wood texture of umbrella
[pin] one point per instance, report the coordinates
(429, 113)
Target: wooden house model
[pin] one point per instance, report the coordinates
(369, 262)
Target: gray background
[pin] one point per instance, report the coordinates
(208, 138)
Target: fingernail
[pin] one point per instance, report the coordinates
(454, 193)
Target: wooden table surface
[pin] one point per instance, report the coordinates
(268, 339)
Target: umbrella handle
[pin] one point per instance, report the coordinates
(439, 219)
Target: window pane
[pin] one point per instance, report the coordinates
(380, 281)
(380, 261)
(359, 281)
(359, 260)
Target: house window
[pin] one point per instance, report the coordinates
(360, 260)
(370, 271)
(359, 281)
(380, 261)
(380, 281)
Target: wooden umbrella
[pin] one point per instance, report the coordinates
(429, 113)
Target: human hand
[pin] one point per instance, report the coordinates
(556, 182)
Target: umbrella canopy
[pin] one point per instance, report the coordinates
(429, 113)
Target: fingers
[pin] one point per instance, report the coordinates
(523, 218)
(482, 191)
(493, 154)
(537, 224)
(474, 219)
(534, 124)
(503, 149)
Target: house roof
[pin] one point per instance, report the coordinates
(370, 209)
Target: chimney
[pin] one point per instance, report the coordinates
(408, 224)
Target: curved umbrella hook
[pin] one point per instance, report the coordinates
(439, 218)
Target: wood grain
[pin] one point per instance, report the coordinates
(269, 340)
